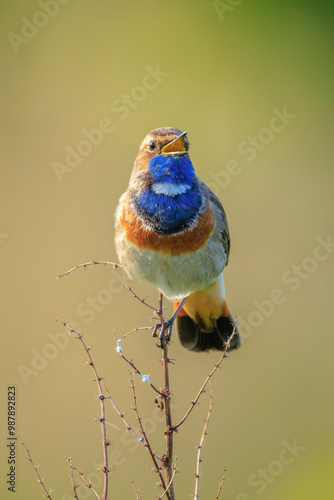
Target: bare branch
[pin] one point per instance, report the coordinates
(163, 402)
(136, 330)
(145, 378)
(202, 389)
(157, 468)
(82, 475)
(86, 264)
(74, 486)
(102, 419)
(168, 412)
(35, 467)
(121, 415)
(200, 447)
(170, 482)
(221, 485)
(143, 301)
(136, 491)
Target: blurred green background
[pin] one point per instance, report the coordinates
(223, 72)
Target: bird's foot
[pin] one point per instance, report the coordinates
(166, 327)
(155, 329)
(164, 330)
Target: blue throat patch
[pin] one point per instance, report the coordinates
(170, 214)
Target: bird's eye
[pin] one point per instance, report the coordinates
(151, 145)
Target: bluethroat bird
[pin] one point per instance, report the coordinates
(171, 230)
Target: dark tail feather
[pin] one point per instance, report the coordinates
(193, 338)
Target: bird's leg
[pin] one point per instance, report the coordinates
(156, 327)
(168, 325)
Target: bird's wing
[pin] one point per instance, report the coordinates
(220, 218)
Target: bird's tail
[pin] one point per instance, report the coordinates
(205, 323)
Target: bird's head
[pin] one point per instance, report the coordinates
(163, 160)
(166, 141)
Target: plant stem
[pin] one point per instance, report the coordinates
(200, 447)
(157, 468)
(105, 469)
(35, 467)
(169, 428)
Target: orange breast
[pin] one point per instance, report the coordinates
(188, 240)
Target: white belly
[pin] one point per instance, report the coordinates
(175, 276)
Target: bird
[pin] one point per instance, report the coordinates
(171, 230)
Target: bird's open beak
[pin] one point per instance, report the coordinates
(175, 147)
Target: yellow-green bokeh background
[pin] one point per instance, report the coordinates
(225, 77)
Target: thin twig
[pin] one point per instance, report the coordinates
(121, 415)
(102, 419)
(136, 330)
(221, 485)
(136, 370)
(168, 412)
(35, 467)
(157, 468)
(82, 475)
(143, 301)
(136, 491)
(170, 482)
(200, 447)
(74, 486)
(202, 389)
(86, 264)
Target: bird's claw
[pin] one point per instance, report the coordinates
(167, 327)
(165, 330)
(156, 327)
